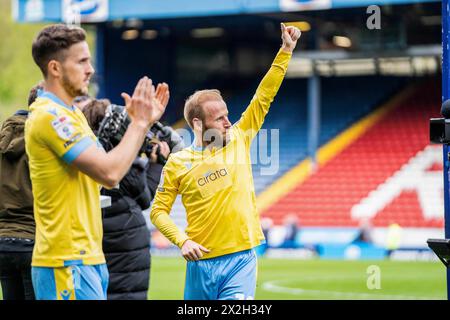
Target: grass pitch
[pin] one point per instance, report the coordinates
(319, 279)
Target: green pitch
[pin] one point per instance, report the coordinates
(320, 279)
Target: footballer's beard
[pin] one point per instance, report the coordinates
(71, 89)
(216, 139)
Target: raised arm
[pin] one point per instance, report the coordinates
(253, 117)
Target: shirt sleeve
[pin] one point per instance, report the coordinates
(253, 117)
(65, 136)
(166, 194)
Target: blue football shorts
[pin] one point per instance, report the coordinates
(228, 277)
(75, 282)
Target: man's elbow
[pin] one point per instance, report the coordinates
(110, 180)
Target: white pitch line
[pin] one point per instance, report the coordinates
(274, 286)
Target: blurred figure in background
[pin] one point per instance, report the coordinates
(81, 101)
(365, 231)
(17, 226)
(266, 225)
(291, 227)
(393, 238)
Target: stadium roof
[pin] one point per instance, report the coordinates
(109, 10)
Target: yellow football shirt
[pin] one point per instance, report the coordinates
(216, 185)
(66, 201)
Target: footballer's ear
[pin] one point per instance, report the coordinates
(54, 68)
(197, 124)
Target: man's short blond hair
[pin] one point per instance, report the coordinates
(193, 107)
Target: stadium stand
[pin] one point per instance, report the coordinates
(388, 174)
(344, 101)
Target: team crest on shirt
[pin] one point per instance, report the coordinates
(63, 127)
(72, 140)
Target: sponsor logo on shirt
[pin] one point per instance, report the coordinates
(209, 176)
(72, 140)
(63, 127)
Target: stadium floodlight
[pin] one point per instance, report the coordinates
(134, 23)
(304, 26)
(117, 23)
(130, 34)
(354, 67)
(341, 41)
(207, 32)
(149, 34)
(415, 60)
(431, 20)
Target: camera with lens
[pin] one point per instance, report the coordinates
(166, 134)
(115, 123)
(440, 127)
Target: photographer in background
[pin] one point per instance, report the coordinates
(126, 238)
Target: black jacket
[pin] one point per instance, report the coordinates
(126, 238)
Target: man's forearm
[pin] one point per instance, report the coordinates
(254, 115)
(109, 168)
(168, 228)
(271, 82)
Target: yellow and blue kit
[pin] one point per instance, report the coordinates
(66, 201)
(216, 184)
